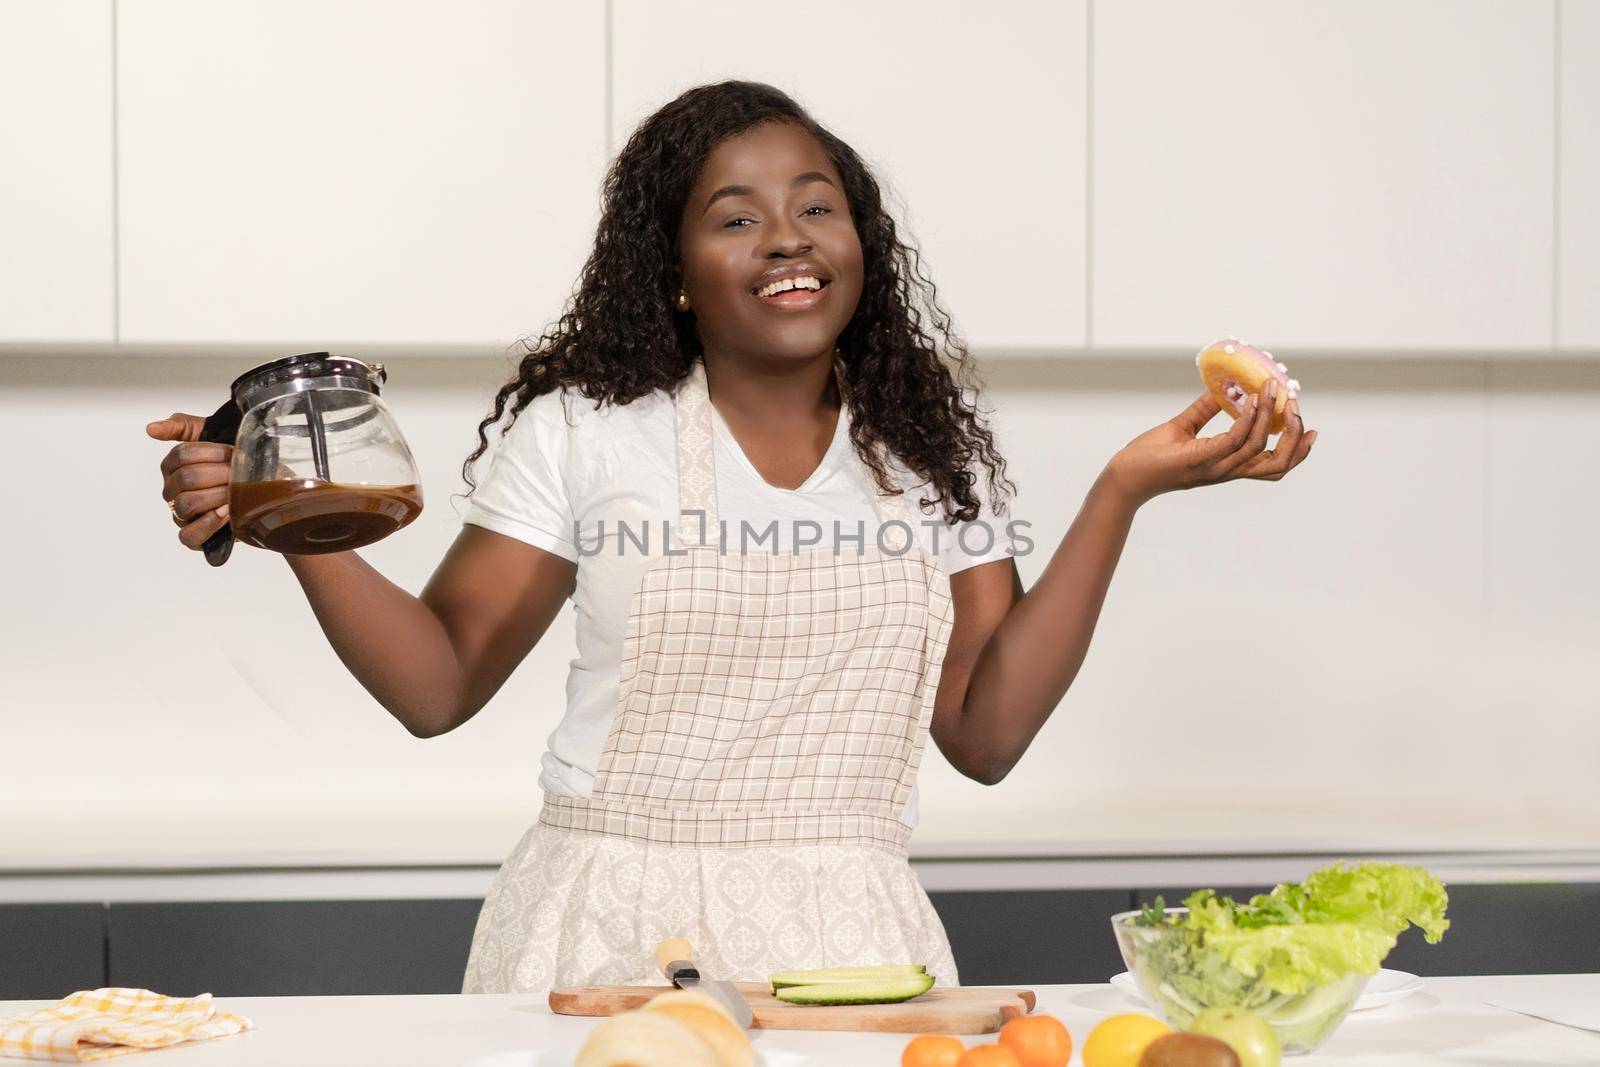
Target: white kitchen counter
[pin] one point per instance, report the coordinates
(1449, 1022)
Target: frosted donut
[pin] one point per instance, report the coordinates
(1233, 370)
(645, 1039)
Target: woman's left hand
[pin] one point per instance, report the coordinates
(1174, 456)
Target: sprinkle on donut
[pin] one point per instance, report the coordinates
(1234, 369)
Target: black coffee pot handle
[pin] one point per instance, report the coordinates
(222, 427)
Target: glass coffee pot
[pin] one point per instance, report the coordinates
(319, 464)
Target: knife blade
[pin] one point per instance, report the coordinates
(676, 961)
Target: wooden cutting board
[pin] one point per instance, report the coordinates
(955, 1010)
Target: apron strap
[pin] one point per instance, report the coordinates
(697, 474)
(698, 522)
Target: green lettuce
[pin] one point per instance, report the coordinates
(1343, 919)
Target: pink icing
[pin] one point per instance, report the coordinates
(1273, 367)
(1256, 354)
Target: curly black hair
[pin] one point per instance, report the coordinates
(619, 338)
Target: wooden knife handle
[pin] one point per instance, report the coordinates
(671, 951)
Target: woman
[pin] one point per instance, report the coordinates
(751, 348)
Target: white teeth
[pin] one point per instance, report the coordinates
(1282, 369)
(785, 284)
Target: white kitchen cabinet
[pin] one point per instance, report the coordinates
(1372, 174)
(311, 173)
(56, 274)
(1578, 318)
(974, 114)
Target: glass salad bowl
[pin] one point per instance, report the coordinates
(1182, 976)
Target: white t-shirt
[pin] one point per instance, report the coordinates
(611, 467)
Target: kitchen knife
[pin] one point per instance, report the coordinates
(676, 961)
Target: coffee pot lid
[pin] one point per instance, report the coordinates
(308, 370)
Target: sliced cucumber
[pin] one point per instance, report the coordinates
(845, 974)
(877, 991)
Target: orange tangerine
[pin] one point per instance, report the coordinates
(1038, 1040)
(931, 1051)
(989, 1056)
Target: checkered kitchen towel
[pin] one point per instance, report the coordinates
(98, 1024)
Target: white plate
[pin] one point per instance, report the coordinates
(563, 1055)
(1127, 983)
(1386, 987)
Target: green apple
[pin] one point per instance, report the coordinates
(1247, 1034)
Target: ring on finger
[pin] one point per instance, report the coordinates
(172, 506)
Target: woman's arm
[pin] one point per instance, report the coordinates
(433, 661)
(1013, 655)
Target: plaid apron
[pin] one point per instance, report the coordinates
(771, 716)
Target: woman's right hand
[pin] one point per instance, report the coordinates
(194, 478)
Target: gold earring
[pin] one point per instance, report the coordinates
(683, 300)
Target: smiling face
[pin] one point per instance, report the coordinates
(769, 254)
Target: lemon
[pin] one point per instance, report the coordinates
(1120, 1040)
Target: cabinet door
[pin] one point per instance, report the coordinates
(293, 947)
(974, 116)
(1494, 929)
(1032, 936)
(1374, 173)
(50, 950)
(303, 173)
(1579, 301)
(55, 171)
(1532, 928)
